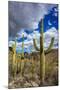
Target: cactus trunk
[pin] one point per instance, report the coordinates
(42, 56)
(23, 46)
(22, 57)
(14, 60)
(42, 52)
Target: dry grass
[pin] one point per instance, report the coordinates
(31, 72)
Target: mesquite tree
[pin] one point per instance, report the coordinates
(42, 52)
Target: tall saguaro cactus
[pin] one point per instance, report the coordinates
(42, 52)
(22, 56)
(14, 58)
(22, 45)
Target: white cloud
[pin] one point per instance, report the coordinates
(10, 43)
(29, 37)
(56, 9)
(49, 23)
(52, 32)
(34, 24)
(21, 32)
(56, 14)
(48, 35)
(26, 15)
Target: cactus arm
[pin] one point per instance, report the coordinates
(50, 46)
(34, 42)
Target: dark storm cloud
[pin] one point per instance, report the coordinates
(25, 15)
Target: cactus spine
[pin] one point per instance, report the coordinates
(42, 53)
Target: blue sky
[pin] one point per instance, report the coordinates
(28, 23)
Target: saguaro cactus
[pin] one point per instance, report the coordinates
(32, 66)
(15, 62)
(42, 52)
(22, 56)
(23, 46)
(14, 58)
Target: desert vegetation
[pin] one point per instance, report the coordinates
(30, 74)
(38, 68)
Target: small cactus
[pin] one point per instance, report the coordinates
(15, 62)
(42, 53)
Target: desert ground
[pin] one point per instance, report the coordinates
(30, 74)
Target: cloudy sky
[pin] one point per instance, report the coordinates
(25, 18)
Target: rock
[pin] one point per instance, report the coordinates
(27, 84)
(34, 84)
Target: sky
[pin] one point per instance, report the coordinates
(24, 18)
